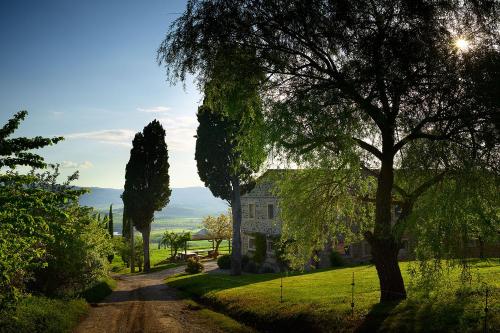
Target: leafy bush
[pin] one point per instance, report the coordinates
(336, 259)
(224, 261)
(99, 290)
(194, 266)
(40, 314)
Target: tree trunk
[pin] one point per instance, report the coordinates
(385, 256)
(216, 250)
(481, 247)
(132, 247)
(145, 246)
(236, 209)
(384, 246)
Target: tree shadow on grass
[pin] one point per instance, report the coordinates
(376, 317)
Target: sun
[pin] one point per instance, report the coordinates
(462, 44)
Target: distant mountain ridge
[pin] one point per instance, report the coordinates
(184, 202)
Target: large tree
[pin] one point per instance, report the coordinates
(223, 168)
(385, 80)
(147, 183)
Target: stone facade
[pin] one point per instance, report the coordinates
(260, 214)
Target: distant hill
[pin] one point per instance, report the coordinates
(184, 202)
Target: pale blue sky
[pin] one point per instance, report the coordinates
(86, 70)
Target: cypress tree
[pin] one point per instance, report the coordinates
(110, 221)
(147, 183)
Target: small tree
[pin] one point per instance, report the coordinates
(147, 181)
(219, 228)
(175, 241)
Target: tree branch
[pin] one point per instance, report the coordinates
(369, 148)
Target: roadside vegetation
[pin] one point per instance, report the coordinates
(52, 250)
(321, 300)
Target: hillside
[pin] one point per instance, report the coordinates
(187, 202)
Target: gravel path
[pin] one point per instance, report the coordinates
(143, 303)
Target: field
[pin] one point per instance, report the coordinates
(158, 256)
(321, 301)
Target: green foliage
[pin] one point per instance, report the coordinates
(319, 203)
(175, 241)
(46, 233)
(336, 259)
(193, 266)
(260, 248)
(147, 183)
(35, 314)
(99, 290)
(471, 213)
(224, 261)
(14, 152)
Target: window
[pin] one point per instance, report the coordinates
(251, 243)
(270, 212)
(251, 210)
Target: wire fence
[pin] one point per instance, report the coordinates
(356, 295)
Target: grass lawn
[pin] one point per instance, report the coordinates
(157, 256)
(321, 301)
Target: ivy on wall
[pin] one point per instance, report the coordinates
(260, 247)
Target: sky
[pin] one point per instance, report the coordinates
(87, 70)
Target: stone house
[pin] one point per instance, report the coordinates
(260, 214)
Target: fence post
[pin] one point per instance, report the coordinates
(486, 311)
(281, 288)
(352, 295)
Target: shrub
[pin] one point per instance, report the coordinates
(194, 266)
(40, 314)
(224, 261)
(336, 259)
(99, 290)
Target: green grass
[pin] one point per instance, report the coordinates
(40, 314)
(159, 256)
(321, 300)
(227, 324)
(99, 290)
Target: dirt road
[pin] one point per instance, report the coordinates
(143, 303)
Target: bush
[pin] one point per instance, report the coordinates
(224, 261)
(99, 290)
(40, 314)
(194, 266)
(336, 259)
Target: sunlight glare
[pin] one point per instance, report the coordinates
(462, 44)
